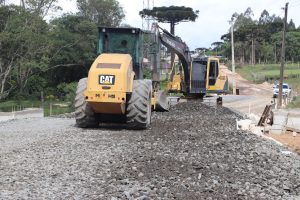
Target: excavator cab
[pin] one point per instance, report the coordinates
(217, 82)
(206, 77)
(213, 72)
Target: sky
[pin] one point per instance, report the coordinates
(213, 18)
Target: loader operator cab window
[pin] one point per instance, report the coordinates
(106, 43)
(124, 43)
(213, 72)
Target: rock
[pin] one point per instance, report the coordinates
(199, 176)
(204, 158)
(134, 168)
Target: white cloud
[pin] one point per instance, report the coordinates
(213, 16)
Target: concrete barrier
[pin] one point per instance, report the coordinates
(243, 124)
(280, 121)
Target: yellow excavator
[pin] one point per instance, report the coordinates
(216, 81)
(200, 75)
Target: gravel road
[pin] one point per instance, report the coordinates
(191, 152)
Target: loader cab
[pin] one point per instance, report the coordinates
(123, 41)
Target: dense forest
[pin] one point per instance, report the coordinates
(259, 41)
(39, 56)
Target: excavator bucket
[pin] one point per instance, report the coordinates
(162, 101)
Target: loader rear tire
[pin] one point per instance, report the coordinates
(138, 111)
(84, 115)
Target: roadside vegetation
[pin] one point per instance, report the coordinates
(50, 108)
(257, 45)
(270, 73)
(42, 59)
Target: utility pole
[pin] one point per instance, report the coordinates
(22, 4)
(232, 47)
(232, 58)
(147, 20)
(282, 55)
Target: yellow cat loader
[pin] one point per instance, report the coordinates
(114, 91)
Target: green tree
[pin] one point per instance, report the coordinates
(266, 52)
(23, 47)
(244, 36)
(73, 49)
(291, 26)
(265, 18)
(102, 12)
(292, 44)
(216, 46)
(40, 7)
(253, 39)
(172, 15)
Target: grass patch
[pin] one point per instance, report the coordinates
(58, 107)
(163, 84)
(8, 106)
(295, 103)
(261, 73)
(270, 73)
(295, 83)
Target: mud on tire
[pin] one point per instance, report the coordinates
(138, 111)
(84, 115)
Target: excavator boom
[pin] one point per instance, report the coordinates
(179, 47)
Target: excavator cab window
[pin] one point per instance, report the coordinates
(213, 72)
(198, 77)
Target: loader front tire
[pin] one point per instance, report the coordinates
(138, 111)
(84, 115)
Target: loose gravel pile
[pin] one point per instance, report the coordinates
(192, 152)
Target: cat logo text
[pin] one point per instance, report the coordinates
(106, 79)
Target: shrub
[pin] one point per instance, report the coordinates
(67, 91)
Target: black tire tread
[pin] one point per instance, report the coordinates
(84, 115)
(137, 106)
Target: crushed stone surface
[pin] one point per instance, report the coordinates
(192, 152)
